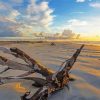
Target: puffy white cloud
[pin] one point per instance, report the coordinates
(76, 22)
(37, 17)
(95, 4)
(40, 14)
(80, 0)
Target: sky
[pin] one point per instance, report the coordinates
(26, 17)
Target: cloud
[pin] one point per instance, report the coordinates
(76, 22)
(4, 7)
(95, 5)
(40, 14)
(68, 33)
(72, 24)
(8, 24)
(80, 0)
(86, 27)
(7, 10)
(9, 33)
(35, 18)
(13, 15)
(8, 28)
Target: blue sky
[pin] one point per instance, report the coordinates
(25, 17)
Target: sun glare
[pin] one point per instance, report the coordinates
(19, 88)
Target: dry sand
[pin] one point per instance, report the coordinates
(86, 70)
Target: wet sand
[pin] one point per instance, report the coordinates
(86, 70)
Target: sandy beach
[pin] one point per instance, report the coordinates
(86, 70)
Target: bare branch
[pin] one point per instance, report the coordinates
(26, 74)
(33, 63)
(4, 70)
(14, 65)
(5, 50)
(10, 79)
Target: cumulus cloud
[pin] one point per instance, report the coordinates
(40, 14)
(68, 33)
(95, 5)
(36, 17)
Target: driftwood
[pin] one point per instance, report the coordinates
(52, 44)
(53, 80)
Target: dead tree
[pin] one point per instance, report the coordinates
(53, 80)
